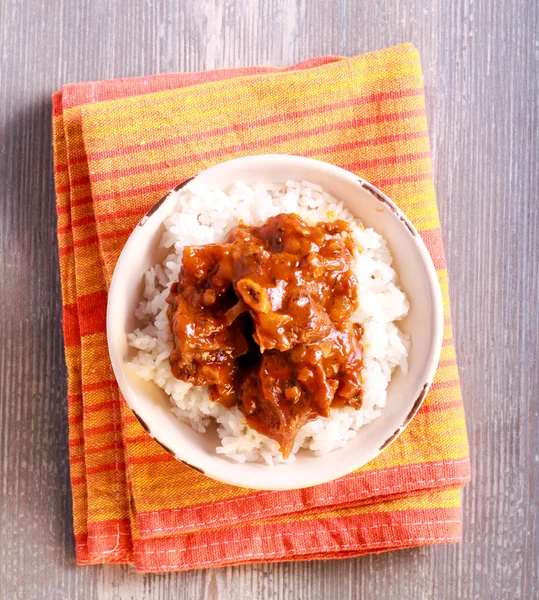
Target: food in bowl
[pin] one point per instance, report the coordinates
(274, 315)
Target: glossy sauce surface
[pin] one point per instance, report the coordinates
(263, 319)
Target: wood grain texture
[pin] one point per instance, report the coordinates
(481, 64)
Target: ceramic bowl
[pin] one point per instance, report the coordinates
(424, 324)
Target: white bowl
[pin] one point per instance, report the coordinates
(424, 323)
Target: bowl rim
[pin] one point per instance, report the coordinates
(432, 278)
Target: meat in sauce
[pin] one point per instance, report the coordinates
(263, 319)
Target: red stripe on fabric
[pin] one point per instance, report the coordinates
(201, 135)
(440, 385)
(403, 179)
(104, 448)
(447, 363)
(344, 535)
(116, 234)
(370, 520)
(134, 212)
(71, 325)
(225, 151)
(109, 541)
(77, 160)
(92, 239)
(95, 449)
(82, 180)
(89, 431)
(74, 420)
(323, 150)
(139, 439)
(92, 313)
(76, 202)
(316, 151)
(112, 89)
(83, 556)
(74, 398)
(81, 201)
(99, 385)
(109, 526)
(57, 104)
(386, 160)
(77, 223)
(390, 160)
(121, 554)
(62, 210)
(88, 241)
(447, 342)
(83, 221)
(99, 538)
(92, 408)
(384, 139)
(240, 147)
(348, 490)
(435, 245)
(115, 466)
(155, 458)
(64, 251)
(440, 407)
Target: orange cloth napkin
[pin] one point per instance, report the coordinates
(118, 147)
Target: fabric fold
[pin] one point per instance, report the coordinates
(118, 147)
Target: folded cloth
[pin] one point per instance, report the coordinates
(118, 147)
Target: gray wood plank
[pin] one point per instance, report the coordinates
(480, 60)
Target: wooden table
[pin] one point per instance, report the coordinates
(480, 60)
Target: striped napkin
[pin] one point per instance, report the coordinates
(118, 147)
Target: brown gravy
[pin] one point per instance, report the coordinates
(263, 319)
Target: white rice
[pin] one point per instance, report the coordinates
(205, 215)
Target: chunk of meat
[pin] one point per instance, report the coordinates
(263, 320)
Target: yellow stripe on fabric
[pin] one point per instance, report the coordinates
(93, 282)
(159, 483)
(95, 351)
(447, 373)
(399, 192)
(427, 500)
(448, 353)
(444, 286)
(389, 171)
(141, 180)
(300, 131)
(422, 212)
(444, 395)
(289, 87)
